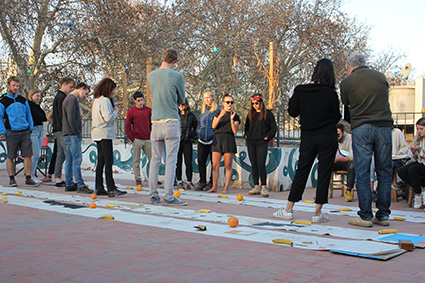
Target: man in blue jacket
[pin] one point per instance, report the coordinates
(16, 125)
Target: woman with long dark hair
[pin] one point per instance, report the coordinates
(260, 128)
(188, 125)
(414, 170)
(317, 105)
(104, 115)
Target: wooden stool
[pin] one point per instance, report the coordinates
(337, 183)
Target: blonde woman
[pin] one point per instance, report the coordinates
(38, 116)
(205, 138)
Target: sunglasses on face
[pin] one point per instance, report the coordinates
(229, 102)
(256, 103)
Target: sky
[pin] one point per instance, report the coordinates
(394, 24)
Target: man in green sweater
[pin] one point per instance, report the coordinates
(167, 88)
(365, 91)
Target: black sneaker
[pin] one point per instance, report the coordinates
(60, 185)
(115, 192)
(399, 186)
(12, 183)
(84, 190)
(207, 187)
(101, 192)
(31, 183)
(200, 187)
(71, 188)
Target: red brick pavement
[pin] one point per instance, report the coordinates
(44, 246)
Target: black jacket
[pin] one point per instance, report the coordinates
(188, 125)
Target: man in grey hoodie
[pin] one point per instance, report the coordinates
(72, 136)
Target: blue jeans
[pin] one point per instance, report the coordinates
(368, 140)
(36, 139)
(164, 135)
(73, 161)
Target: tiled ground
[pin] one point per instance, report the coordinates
(43, 246)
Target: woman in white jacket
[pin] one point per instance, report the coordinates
(104, 115)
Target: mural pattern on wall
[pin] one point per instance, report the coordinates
(281, 164)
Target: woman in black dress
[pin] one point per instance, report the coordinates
(225, 125)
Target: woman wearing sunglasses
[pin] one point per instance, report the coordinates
(225, 125)
(260, 128)
(317, 105)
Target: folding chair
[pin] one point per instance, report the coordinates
(43, 160)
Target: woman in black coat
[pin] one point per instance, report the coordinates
(317, 105)
(188, 125)
(260, 128)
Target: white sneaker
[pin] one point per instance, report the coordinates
(283, 214)
(37, 181)
(320, 218)
(423, 197)
(417, 202)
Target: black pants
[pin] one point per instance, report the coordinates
(52, 164)
(349, 167)
(104, 159)
(257, 152)
(411, 174)
(203, 152)
(325, 146)
(185, 150)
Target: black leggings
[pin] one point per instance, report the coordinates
(104, 159)
(185, 150)
(412, 174)
(257, 152)
(325, 146)
(203, 152)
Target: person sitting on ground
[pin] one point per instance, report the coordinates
(344, 159)
(414, 170)
(400, 149)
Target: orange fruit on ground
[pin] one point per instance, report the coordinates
(139, 188)
(177, 194)
(233, 222)
(93, 205)
(240, 197)
(93, 196)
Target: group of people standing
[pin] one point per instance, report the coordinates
(21, 123)
(168, 128)
(172, 127)
(366, 93)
